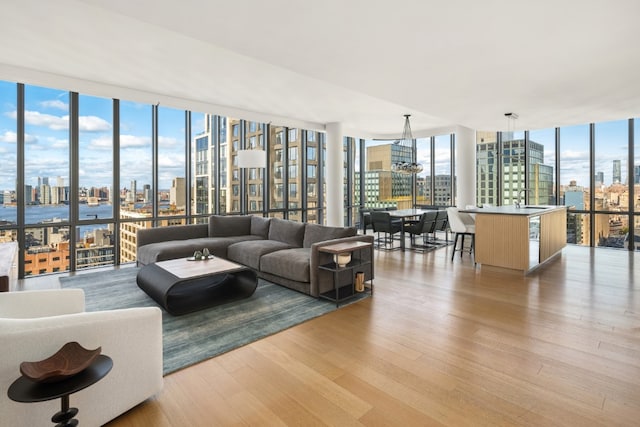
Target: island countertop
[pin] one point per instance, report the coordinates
(524, 210)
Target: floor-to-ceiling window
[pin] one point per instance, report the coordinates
(542, 158)
(611, 194)
(9, 170)
(575, 172)
(46, 188)
(313, 176)
(424, 179)
(94, 237)
(595, 165)
(172, 189)
(633, 238)
(487, 169)
(444, 182)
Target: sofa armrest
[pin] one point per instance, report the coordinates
(132, 338)
(42, 303)
(145, 236)
(316, 259)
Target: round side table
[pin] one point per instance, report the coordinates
(25, 390)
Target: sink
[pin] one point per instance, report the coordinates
(534, 207)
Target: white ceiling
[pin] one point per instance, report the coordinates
(363, 63)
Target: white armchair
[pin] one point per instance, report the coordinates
(35, 324)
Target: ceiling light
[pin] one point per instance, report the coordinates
(409, 166)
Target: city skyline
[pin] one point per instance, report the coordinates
(47, 142)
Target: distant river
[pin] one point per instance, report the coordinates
(39, 213)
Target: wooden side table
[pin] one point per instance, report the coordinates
(25, 390)
(354, 249)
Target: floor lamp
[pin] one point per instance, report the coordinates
(248, 159)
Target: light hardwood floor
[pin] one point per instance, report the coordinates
(440, 343)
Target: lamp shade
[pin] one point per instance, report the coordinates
(252, 158)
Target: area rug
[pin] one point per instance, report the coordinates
(194, 337)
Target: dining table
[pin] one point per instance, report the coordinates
(404, 215)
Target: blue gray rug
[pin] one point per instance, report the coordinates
(197, 336)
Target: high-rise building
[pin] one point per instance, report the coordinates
(45, 194)
(636, 174)
(381, 184)
(599, 179)
(177, 193)
(617, 172)
(513, 169)
(132, 193)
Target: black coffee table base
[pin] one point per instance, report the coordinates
(181, 296)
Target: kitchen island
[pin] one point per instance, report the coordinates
(519, 238)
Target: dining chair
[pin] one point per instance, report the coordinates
(442, 225)
(365, 219)
(424, 227)
(462, 224)
(383, 223)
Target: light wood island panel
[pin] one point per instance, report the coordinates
(502, 236)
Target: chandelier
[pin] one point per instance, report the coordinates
(402, 166)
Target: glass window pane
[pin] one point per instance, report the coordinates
(312, 178)
(8, 153)
(443, 186)
(46, 154)
(223, 164)
(611, 172)
(46, 250)
(423, 179)
(203, 164)
(513, 167)
(574, 167)
(171, 162)
(487, 169)
(634, 238)
(95, 246)
(136, 194)
(233, 172)
(611, 230)
(276, 163)
(578, 228)
(254, 140)
(542, 157)
(95, 174)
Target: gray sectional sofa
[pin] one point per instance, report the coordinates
(280, 251)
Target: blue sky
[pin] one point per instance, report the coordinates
(46, 151)
(47, 139)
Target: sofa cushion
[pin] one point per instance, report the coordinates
(315, 233)
(224, 226)
(172, 249)
(249, 252)
(292, 264)
(260, 226)
(286, 231)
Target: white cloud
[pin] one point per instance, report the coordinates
(170, 162)
(166, 141)
(12, 137)
(93, 124)
(9, 137)
(59, 143)
(128, 141)
(36, 118)
(30, 139)
(101, 143)
(55, 103)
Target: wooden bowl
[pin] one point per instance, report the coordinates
(71, 359)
